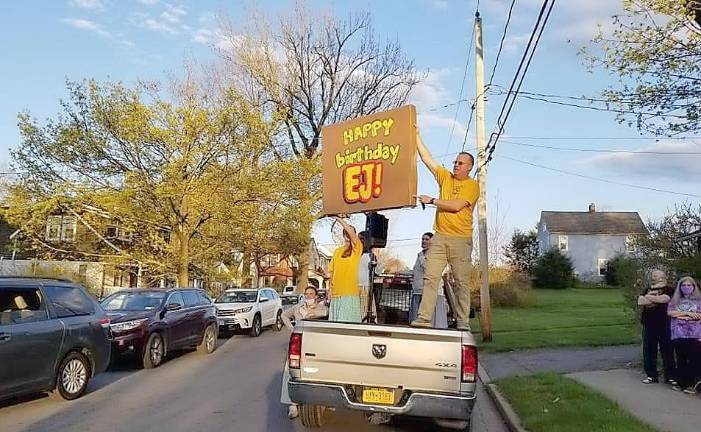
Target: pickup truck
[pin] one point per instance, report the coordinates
(392, 369)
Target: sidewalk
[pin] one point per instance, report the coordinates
(655, 404)
(561, 360)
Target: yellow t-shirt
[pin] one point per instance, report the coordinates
(455, 224)
(344, 271)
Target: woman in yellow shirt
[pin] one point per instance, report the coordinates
(344, 291)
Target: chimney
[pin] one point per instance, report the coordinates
(592, 208)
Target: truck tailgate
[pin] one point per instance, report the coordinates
(382, 356)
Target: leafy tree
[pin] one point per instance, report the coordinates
(656, 51)
(155, 163)
(553, 270)
(522, 251)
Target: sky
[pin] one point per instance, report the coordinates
(42, 44)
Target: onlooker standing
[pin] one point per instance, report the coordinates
(656, 330)
(344, 293)
(685, 310)
(308, 309)
(440, 315)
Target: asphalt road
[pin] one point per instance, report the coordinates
(237, 388)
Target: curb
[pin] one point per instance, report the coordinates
(513, 422)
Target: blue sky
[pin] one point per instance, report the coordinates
(44, 43)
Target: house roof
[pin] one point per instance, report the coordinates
(593, 222)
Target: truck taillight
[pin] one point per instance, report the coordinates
(294, 353)
(469, 363)
(104, 322)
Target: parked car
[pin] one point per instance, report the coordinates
(289, 289)
(291, 300)
(53, 337)
(249, 310)
(149, 323)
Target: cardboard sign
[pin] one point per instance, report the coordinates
(369, 163)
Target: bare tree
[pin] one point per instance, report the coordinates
(311, 70)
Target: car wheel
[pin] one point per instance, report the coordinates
(209, 340)
(312, 416)
(154, 351)
(72, 376)
(256, 328)
(278, 322)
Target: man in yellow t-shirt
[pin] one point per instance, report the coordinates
(452, 243)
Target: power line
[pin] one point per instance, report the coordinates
(501, 43)
(652, 152)
(599, 179)
(517, 82)
(462, 86)
(542, 138)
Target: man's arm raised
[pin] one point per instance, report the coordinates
(425, 155)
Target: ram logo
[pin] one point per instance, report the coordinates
(379, 351)
(447, 365)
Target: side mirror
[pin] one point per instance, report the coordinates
(263, 300)
(173, 307)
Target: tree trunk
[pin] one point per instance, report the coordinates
(183, 258)
(303, 270)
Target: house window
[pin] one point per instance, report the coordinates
(274, 260)
(563, 243)
(61, 228)
(630, 244)
(603, 266)
(53, 228)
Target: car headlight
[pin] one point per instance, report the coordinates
(243, 310)
(128, 325)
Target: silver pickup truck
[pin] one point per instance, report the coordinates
(389, 369)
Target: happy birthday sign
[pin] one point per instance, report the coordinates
(369, 163)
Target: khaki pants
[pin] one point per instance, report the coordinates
(457, 252)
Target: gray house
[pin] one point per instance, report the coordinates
(589, 238)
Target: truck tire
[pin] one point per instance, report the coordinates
(312, 416)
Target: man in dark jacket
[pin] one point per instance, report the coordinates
(656, 333)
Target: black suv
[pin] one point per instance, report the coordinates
(149, 323)
(53, 336)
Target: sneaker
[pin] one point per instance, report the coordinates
(677, 388)
(649, 380)
(671, 382)
(419, 322)
(292, 412)
(690, 390)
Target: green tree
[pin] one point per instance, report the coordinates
(553, 270)
(655, 49)
(522, 251)
(157, 163)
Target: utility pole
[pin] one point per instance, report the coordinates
(485, 303)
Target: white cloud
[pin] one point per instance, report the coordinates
(661, 166)
(84, 24)
(148, 2)
(202, 36)
(173, 14)
(228, 43)
(440, 4)
(159, 26)
(87, 4)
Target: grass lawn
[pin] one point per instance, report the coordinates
(571, 317)
(554, 403)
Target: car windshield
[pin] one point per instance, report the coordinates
(133, 301)
(238, 297)
(289, 300)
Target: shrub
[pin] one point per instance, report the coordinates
(622, 271)
(553, 270)
(689, 266)
(507, 288)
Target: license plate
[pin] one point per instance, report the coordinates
(378, 395)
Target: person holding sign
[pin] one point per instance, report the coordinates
(344, 292)
(452, 243)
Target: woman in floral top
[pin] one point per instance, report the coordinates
(685, 311)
